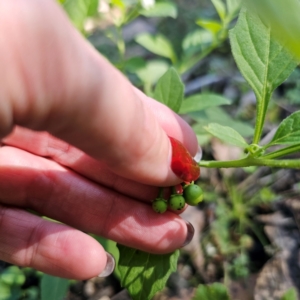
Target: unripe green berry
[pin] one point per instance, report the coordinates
(176, 202)
(193, 194)
(160, 205)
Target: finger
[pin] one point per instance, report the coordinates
(44, 144)
(30, 181)
(56, 249)
(172, 123)
(55, 81)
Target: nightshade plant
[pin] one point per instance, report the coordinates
(265, 63)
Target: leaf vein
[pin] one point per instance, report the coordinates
(252, 42)
(265, 84)
(254, 85)
(277, 53)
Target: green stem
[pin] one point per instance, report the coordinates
(262, 105)
(174, 191)
(282, 152)
(147, 89)
(161, 192)
(186, 65)
(131, 15)
(121, 45)
(262, 102)
(251, 161)
(225, 164)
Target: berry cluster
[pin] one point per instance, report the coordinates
(191, 194)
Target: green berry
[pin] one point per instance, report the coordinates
(160, 205)
(193, 194)
(176, 202)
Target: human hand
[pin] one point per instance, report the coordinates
(52, 80)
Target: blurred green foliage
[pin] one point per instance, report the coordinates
(211, 292)
(12, 280)
(283, 16)
(53, 287)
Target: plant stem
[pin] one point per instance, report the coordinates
(131, 15)
(262, 105)
(225, 164)
(161, 192)
(121, 45)
(282, 152)
(251, 161)
(187, 65)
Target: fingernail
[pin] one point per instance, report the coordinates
(198, 155)
(110, 266)
(182, 164)
(190, 233)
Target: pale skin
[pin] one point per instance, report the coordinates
(102, 168)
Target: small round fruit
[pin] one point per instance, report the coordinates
(159, 205)
(193, 194)
(176, 202)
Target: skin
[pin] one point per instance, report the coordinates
(80, 145)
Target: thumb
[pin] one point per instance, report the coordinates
(53, 80)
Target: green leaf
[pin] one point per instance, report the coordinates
(211, 25)
(13, 276)
(226, 134)
(220, 8)
(290, 294)
(262, 60)
(127, 16)
(202, 101)
(152, 71)
(282, 152)
(119, 3)
(233, 7)
(203, 139)
(284, 18)
(216, 291)
(12, 279)
(218, 115)
(196, 41)
(288, 131)
(157, 44)
(5, 291)
(169, 90)
(79, 10)
(31, 293)
(144, 274)
(134, 63)
(161, 9)
(53, 287)
(15, 293)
